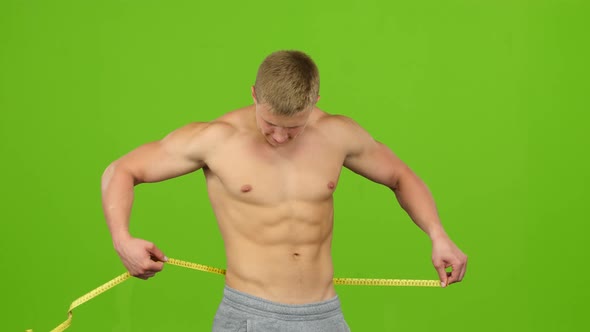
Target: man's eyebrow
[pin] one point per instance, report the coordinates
(272, 124)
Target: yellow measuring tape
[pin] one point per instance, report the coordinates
(337, 281)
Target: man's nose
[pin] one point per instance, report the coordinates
(280, 136)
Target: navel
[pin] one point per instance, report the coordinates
(246, 188)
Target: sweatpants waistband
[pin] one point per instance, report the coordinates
(261, 307)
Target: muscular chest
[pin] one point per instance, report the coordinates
(254, 172)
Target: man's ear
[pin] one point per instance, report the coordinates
(254, 95)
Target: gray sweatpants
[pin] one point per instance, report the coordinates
(241, 312)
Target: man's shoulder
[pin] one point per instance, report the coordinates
(235, 120)
(336, 122)
(200, 129)
(343, 131)
(200, 133)
(226, 124)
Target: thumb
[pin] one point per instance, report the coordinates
(442, 273)
(157, 253)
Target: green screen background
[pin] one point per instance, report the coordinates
(486, 101)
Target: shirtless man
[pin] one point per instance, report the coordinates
(271, 170)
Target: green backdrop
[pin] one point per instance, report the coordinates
(486, 100)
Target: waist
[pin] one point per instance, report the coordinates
(263, 307)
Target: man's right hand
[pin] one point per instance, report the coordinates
(141, 258)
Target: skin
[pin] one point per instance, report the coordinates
(271, 180)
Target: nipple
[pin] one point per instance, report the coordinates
(246, 188)
(331, 185)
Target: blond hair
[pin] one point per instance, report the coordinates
(288, 81)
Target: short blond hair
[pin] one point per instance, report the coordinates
(288, 81)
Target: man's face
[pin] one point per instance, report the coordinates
(280, 129)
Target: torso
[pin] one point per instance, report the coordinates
(274, 206)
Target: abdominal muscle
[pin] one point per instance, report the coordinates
(279, 253)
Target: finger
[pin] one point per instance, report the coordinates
(463, 270)
(461, 274)
(454, 276)
(442, 274)
(155, 267)
(148, 269)
(155, 252)
(143, 274)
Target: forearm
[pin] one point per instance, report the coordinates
(117, 199)
(415, 198)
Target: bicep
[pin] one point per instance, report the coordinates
(177, 154)
(372, 159)
(153, 162)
